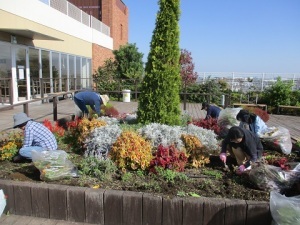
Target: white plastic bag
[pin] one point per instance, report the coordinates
(284, 210)
(2, 201)
(53, 165)
(227, 119)
(277, 138)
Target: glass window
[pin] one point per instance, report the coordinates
(64, 71)
(5, 72)
(34, 71)
(55, 71)
(72, 74)
(46, 71)
(21, 71)
(5, 61)
(78, 73)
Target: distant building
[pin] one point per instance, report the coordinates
(51, 45)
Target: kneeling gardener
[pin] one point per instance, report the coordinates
(244, 145)
(36, 137)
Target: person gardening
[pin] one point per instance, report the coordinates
(244, 145)
(213, 111)
(251, 122)
(90, 98)
(36, 137)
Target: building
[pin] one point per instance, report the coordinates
(48, 46)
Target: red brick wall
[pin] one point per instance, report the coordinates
(115, 15)
(100, 54)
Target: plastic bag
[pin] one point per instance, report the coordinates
(284, 210)
(273, 178)
(278, 139)
(227, 119)
(53, 165)
(2, 201)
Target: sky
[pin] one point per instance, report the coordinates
(247, 36)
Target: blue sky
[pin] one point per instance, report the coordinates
(252, 36)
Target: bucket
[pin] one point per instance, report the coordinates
(126, 95)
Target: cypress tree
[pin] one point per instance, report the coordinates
(159, 101)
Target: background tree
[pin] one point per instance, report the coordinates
(188, 76)
(159, 100)
(105, 77)
(279, 93)
(129, 62)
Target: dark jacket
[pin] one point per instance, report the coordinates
(212, 112)
(250, 144)
(90, 98)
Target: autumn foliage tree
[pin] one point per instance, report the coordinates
(188, 76)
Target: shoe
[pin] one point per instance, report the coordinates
(20, 159)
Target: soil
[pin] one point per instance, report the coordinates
(214, 180)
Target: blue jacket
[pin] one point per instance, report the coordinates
(90, 98)
(213, 112)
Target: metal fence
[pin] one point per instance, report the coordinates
(250, 81)
(74, 12)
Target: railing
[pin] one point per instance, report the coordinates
(77, 14)
(116, 90)
(250, 81)
(25, 104)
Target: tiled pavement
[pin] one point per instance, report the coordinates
(28, 220)
(66, 108)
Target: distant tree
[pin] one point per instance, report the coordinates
(129, 62)
(159, 100)
(188, 76)
(105, 77)
(279, 93)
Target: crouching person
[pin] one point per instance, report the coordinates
(36, 137)
(244, 145)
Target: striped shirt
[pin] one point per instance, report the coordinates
(36, 134)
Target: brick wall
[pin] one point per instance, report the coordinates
(115, 15)
(100, 54)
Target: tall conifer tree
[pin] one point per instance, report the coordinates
(159, 101)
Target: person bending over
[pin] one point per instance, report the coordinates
(91, 98)
(213, 111)
(251, 122)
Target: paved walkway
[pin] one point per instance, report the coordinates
(28, 220)
(66, 108)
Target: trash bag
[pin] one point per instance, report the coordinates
(227, 119)
(277, 139)
(272, 178)
(284, 210)
(2, 201)
(53, 165)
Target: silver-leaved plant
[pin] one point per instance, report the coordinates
(207, 137)
(100, 140)
(162, 134)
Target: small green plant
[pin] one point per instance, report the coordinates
(170, 175)
(126, 177)
(100, 169)
(213, 173)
